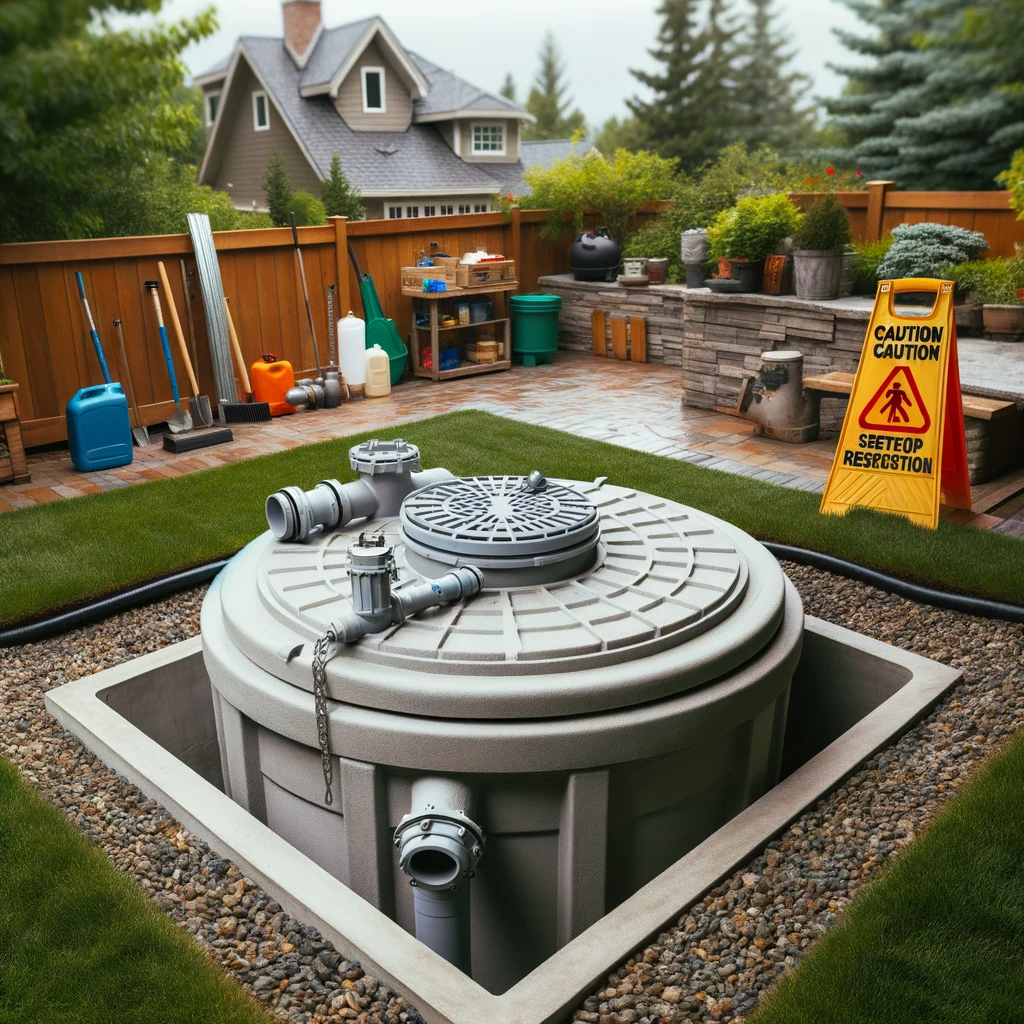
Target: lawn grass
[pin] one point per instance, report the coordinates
(65, 552)
(81, 944)
(938, 937)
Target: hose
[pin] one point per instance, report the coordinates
(45, 629)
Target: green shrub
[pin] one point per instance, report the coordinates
(826, 226)
(869, 256)
(1013, 179)
(339, 196)
(308, 210)
(753, 228)
(991, 282)
(925, 250)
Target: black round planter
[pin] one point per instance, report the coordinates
(595, 256)
(694, 275)
(750, 275)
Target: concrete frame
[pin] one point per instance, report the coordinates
(441, 993)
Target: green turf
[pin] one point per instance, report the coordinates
(64, 552)
(938, 937)
(81, 944)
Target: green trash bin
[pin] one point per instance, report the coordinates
(535, 328)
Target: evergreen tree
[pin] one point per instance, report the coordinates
(339, 196)
(931, 111)
(508, 88)
(278, 190)
(694, 112)
(625, 134)
(547, 100)
(768, 91)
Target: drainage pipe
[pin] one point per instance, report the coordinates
(439, 847)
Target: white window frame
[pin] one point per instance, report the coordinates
(489, 152)
(255, 111)
(394, 213)
(383, 108)
(412, 211)
(207, 102)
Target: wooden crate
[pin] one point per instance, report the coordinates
(13, 464)
(450, 264)
(412, 277)
(480, 275)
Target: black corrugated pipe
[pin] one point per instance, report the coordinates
(148, 592)
(145, 594)
(913, 591)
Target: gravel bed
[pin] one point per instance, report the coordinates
(711, 966)
(284, 963)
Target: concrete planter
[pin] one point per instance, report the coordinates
(1003, 323)
(749, 274)
(818, 273)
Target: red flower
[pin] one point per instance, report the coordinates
(1020, 294)
(858, 173)
(830, 171)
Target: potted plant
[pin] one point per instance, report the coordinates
(13, 467)
(999, 286)
(750, 231)
(818, 249)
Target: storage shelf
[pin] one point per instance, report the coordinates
(462, 327)
(465, 371)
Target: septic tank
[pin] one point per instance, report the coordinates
(496, 706)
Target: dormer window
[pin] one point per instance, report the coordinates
(260, 112)
(212, 103)
(374, 100)
(489, 139)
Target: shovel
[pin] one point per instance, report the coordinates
(180, 420)
(198, 405)
(139, 432)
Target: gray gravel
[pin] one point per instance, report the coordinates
(710, 967)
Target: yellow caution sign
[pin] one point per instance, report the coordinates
(902, 448)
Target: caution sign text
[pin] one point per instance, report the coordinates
(902, 447)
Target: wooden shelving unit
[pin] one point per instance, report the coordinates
(430, 335)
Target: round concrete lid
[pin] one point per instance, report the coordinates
(672, 600)
(788, 355)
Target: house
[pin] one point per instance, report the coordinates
(413, 137)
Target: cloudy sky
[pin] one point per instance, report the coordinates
(601, 39)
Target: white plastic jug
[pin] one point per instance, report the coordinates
(378, 373)
(352, 351)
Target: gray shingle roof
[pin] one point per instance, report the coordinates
(332, 50)
(215, 69)
(410, 161)
(449, 92)
(545, 152)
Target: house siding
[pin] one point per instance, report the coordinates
(349, 101)
(244, 152)
(511, 142)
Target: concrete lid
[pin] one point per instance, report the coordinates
(783, 356)
(672, 600)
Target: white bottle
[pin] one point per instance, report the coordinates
(352, 352)
(378, 373)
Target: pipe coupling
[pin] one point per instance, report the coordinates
(439, 849)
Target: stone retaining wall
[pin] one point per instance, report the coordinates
(660, 305)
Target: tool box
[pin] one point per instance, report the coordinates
(99, 430)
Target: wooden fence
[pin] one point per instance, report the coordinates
(45, 344)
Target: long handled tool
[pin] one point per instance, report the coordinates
(186, 287)
(305, 292)
(180, 420)
(380, 330)
(198, 405)
(249, 411)
(140, 435)
(94, 334)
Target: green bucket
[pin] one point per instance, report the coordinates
(535, 328)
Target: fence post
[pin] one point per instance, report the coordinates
(877, 192)
(341, 258)
(517, 242)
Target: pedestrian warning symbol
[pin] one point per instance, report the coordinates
(897, 406)
(902, 448)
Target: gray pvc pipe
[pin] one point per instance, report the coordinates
(442, 923)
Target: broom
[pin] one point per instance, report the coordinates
(249, 411)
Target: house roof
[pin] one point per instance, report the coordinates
(544, 152)
(377, 163)
(450, 94)
(332, 51)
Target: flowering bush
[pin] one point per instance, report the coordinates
(805, 178)
(926, 250)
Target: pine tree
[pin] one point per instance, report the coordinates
(508, 88)
(339, 196)
(277, 189)
(931, 112)
(768, 91)
(694, 112)
(547, 100)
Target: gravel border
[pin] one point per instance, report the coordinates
(711, 966)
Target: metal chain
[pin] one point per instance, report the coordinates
(320, 652)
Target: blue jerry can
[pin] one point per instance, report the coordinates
(99, 431)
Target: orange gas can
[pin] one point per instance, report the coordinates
(271, 380)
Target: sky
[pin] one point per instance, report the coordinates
(600, 39)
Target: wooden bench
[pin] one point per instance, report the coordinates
(995, 443)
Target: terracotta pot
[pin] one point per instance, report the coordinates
(1003, 323)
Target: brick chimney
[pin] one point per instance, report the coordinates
(301, 27)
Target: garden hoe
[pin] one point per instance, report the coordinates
(139, 432)
(198, 405)
(180, 420)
